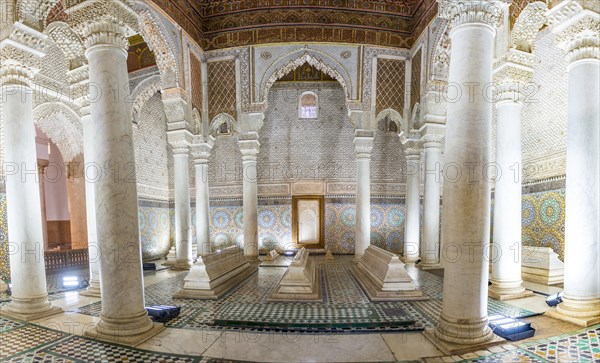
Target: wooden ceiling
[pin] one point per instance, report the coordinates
(219, 24)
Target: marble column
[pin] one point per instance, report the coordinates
(201, 154)
(29, 299)
(506, 256)
(249, 147)
(183, 213)
(123, 318)
(363, 145)
(430, 254)
(90, 170)
(581, 299)
(463, 323)
(413, 206)
(76, 201)
(41, 166)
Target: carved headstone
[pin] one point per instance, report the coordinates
(383, 277)
(215, 274)
(541, 265)
(301, 282)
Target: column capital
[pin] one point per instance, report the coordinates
(432, 135)
(177, 108)
(180, 140)
(106, 22)
(462, 12)
(576, 30)
(21, 51)
(201, 150)
(249, 145)
(363, 143)
(512, 76)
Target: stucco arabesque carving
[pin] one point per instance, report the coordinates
(513, 74)
(576, 29)
(331, 70)
(460, 12)
(142, 93)
(62, 125)
(527, 26)
(21, 53)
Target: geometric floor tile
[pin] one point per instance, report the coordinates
(26, 338)
(345, 306)
(7, 324)
(582, 346)
(516, 355)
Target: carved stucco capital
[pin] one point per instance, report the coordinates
(488, 12)
(576, 29)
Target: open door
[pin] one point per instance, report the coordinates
(308, 221)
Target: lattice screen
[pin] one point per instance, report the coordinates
(390, 85)
(415, 80)
(196, 82)
(221, 88)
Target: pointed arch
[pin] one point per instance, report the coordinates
(297, 58)
(142, 93)
(220, 119)
(62, 125)
(393, 116)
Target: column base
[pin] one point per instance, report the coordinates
(579, 312)
(92, 291)
(132, 340)
(450, 348)
(409, 261)
(182, 265)
(429, 265)
(54, 310)
(508, 294)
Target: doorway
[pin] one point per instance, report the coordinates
(308, 221)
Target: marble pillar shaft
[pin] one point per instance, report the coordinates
(90, 207)
(506, 254)
(24, 216)
(202, 208)
(466, 207)
(183, 221)
(123, 307)
(430, 255)
(250, 206)
(582, 232)
(363, 204)
(412, 231)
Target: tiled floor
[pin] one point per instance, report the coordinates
(194, 337)
(345, 306)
